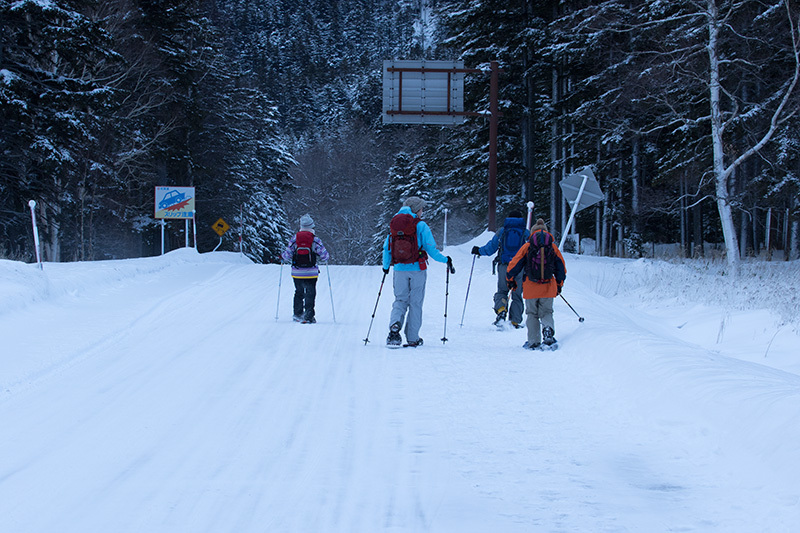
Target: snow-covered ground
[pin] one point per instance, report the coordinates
(163, 395)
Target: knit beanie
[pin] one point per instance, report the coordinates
(416, 203)
(539, 225)
(306, 222)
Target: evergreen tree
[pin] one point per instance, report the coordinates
(53, 106)
(407, 177)
(481, 32)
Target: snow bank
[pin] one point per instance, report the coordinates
(22, 284)
(773, 286)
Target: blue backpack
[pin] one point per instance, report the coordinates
(512, 240)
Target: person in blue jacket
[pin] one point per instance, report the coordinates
(506, 242)
(409, 278)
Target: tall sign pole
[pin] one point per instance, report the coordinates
(493, 120)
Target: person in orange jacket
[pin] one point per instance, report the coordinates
(544, 274)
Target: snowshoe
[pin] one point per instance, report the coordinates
(413, 344)
(500, 321)
(311, 320)
(532, 345)
(517, 325)
(394, 340)
(548, 336)
(297, 318)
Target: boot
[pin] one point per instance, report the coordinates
(394, 340)
(548, 336)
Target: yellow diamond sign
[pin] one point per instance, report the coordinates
(220, 226)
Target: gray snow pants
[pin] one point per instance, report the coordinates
(409, 293)
(539, 309)
(514, 313)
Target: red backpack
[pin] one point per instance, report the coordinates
(403, 244)
(304, 256)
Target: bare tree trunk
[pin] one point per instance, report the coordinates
(597, 226)
(785, 235)
(82, 217)
(90, 255)
(794, 247)
(721, 172)
(528, 128)
(605, 244)
(620, 229)
(554, 150)
(682, 188)
(717, 129)
(743, 234)
(50, 244)
(635, 175)
(754, 224)
(768, 234)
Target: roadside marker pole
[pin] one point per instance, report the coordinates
(32, 205)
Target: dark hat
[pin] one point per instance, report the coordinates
(416, 203)
(515, 213)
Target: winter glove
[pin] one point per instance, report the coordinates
(450, 265)
(512, 284)
(476, 250)
(385, 271)
(559, 288)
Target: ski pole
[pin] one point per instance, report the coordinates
(330, 291)
(468, 285)
(280, 279)
(366, 340)
(580, 318)
(446, 294)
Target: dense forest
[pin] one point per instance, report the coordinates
(685, 109)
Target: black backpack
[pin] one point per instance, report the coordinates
(540, 263)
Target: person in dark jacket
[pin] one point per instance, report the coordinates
(506, 242)
(538, 294)
(305, 271)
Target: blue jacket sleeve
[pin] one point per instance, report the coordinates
(428, 243)
(387, 258)
(493, 245)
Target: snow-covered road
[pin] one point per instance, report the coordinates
(162, 394)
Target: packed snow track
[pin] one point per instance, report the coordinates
(164, 395)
